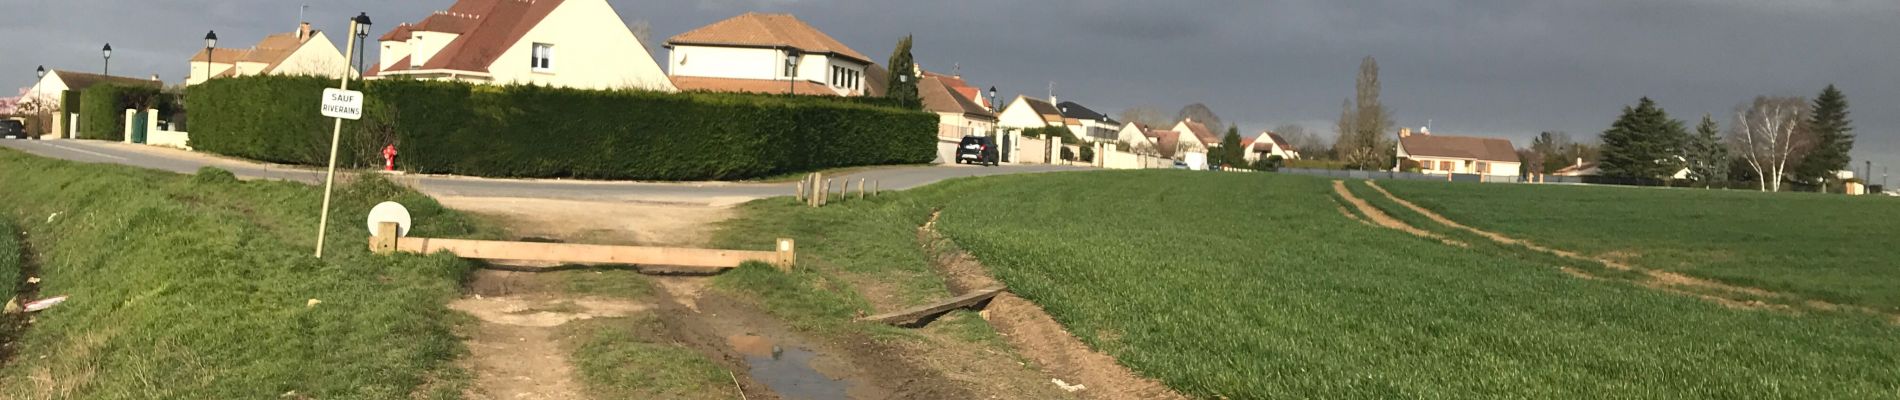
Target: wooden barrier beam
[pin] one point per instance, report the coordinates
(919, 312)
(783, 257)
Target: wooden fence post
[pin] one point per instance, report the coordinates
(825, 199)
(877, 188)
(787, 255)
(860, 188)
(800, 192)
(385, 240)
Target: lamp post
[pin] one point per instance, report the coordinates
(993, 106)
(39, 103)
(791, 71)
(108, 53)
(362, 35)
(360, 22)
(211, 48)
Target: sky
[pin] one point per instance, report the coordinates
(1502, 68)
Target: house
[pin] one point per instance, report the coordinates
(306, 52)
(766, 53)
(958, 115)
(578, 44)
(1591, 168)
(1025, 113)
(1194, 137)
(1439, 154)
(1137, 136)
(51, 90)
(1087, 124)
(955, 82)
(1267, 145)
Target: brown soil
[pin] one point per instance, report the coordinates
(1031, 331)
(1717, 292)
(598, 222)
(1380, 218)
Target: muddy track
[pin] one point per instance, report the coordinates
(1720, 293)
(13, 326)
(1035, 334)
(1380, 218)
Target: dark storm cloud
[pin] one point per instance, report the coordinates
(1483, 67)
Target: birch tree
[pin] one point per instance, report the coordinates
(1767, 135)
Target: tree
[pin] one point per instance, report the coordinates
(1200, 113)
(1229, 152)
(1305, 141)
(642, 32)
(1832, 138)
(1547, 152)
(1148, 116)
(1643, 143)
(1363, 121)
(903, 81)
(1766, 135)
(1707, 154)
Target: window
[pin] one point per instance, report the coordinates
(543, 57)
(1484, 167)
(1444, 166)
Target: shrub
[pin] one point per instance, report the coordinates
(1067, 154)
(1088, 153)
(1316, 164)
(1268, 164)
(529, 131)
(102, 109)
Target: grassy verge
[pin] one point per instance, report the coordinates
(1818, 246)
(9, 262)
(202, 286)
(1254, 286)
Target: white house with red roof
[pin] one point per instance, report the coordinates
(1267, 145)
(1195, 137)
(580, 44)
(767, 53)
(305, 52)
(1441, 154)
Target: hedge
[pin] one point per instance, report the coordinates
(540, 132)
(102, 109)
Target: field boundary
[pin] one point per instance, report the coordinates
(1663, 280)
(1034, 333)
(1380, 218)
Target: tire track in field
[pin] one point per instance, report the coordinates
(1030, 330)
(1380, 218)
(1657, 279)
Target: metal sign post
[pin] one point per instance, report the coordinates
(340, 103)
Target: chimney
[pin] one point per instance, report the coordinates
(1405, 132)
(1579, 162)
(303, 31)
(1425, 130)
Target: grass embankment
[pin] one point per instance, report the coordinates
(202, 286)
(9, 262)
(1832, 248)
(1254, 286)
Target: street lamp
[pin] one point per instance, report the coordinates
(211, 45)
(993, 106)
(791, 70)
(108, 53)
(362, 34)
(39, 103)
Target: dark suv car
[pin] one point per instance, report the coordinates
(980, 150)
(10, 129)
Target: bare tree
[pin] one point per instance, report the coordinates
(1308, 143)
(643, 32)
(1767, 134)
(1200, 113)
(1146, 115)
(1364, 122)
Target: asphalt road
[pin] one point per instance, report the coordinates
(713, 193)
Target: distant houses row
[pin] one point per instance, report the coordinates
(584, 44)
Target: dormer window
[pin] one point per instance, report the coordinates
(543, 57)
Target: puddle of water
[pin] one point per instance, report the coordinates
(788, 372)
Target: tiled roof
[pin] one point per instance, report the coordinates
(400, 34)
(1200, 132)
(224, 56)
(1464, 147)
(1041, 107)
(704, 84)
(767, 30)
(1165, 143)
(486, 28)
(940, 97)
(1075, 110)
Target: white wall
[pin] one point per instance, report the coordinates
(199, 74)
(426, 44)
(393, 51)
(593, 49)
(824, 75)
(726, 62)
(52, 90)
(1019, 116)
(317, 57)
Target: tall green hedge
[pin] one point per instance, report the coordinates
(530, 131)
(102, 109)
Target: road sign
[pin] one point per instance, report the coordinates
(345, 104)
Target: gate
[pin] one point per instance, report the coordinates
(139, 123)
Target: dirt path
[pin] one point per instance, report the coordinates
(513, 350)
(1733, 296)
(1380, 218)
(1030, 329)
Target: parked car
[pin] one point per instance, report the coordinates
(11, 129)
(980, 150)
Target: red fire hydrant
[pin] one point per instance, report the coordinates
(389, 158)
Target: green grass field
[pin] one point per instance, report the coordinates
(201, 287)
(1834, 248)
(1254, 286)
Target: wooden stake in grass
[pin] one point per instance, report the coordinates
(800, 192)
(877, 188)
(860, 188)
